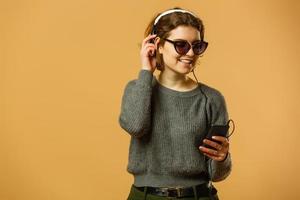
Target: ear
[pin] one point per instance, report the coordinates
(156, 42)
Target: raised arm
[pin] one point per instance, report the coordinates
(135, 115)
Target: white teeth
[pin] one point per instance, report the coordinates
(186, 61)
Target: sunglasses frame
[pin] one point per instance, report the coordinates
(191, 45)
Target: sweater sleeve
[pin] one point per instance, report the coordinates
(135, 115)
(219, 169)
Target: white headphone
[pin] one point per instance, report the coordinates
(171, 11)
(168, 12)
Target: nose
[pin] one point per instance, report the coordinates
(190, 52)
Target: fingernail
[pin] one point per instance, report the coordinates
(214, 137)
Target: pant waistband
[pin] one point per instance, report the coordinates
(201, 190)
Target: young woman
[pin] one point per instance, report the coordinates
(168, 117)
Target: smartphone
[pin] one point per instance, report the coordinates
(216, 130)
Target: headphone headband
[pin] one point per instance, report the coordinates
(171, 11)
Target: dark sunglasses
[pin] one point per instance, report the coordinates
(183, 46)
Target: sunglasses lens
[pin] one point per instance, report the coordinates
(182, 47)
(199, 47)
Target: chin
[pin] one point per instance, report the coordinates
(182, 70)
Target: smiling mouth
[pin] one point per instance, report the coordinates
(186, 61)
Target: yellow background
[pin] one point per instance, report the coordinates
(64, 65)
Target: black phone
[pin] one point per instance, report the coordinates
(216, 130)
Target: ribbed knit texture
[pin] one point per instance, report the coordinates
(166, 128)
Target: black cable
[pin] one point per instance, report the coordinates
(232, 129)
(195, 76)
(208, 125)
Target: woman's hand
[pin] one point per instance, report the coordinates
(148, 54)
(218, 151)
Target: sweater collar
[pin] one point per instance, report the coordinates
(173, 92)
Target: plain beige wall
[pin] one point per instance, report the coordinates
(64, 65)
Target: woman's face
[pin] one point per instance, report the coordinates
(172, 60)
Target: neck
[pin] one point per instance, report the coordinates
(174, 80)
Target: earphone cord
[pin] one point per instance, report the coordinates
(195, 75)
(210, 186)
(207, 159)
(205, 107)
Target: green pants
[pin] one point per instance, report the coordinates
(135, 194)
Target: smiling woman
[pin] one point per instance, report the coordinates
(168, 117)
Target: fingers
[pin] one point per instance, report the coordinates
(220, 138)
(148, 45)
(217, 158)
(149, 48)
(213, 144)
(149, 37)
(209, 151)
(220, 150)
(147, 53)
(214, 154)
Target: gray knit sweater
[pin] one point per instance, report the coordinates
(166, 128)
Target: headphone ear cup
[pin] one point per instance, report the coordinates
(153, 30)
(152, 33)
